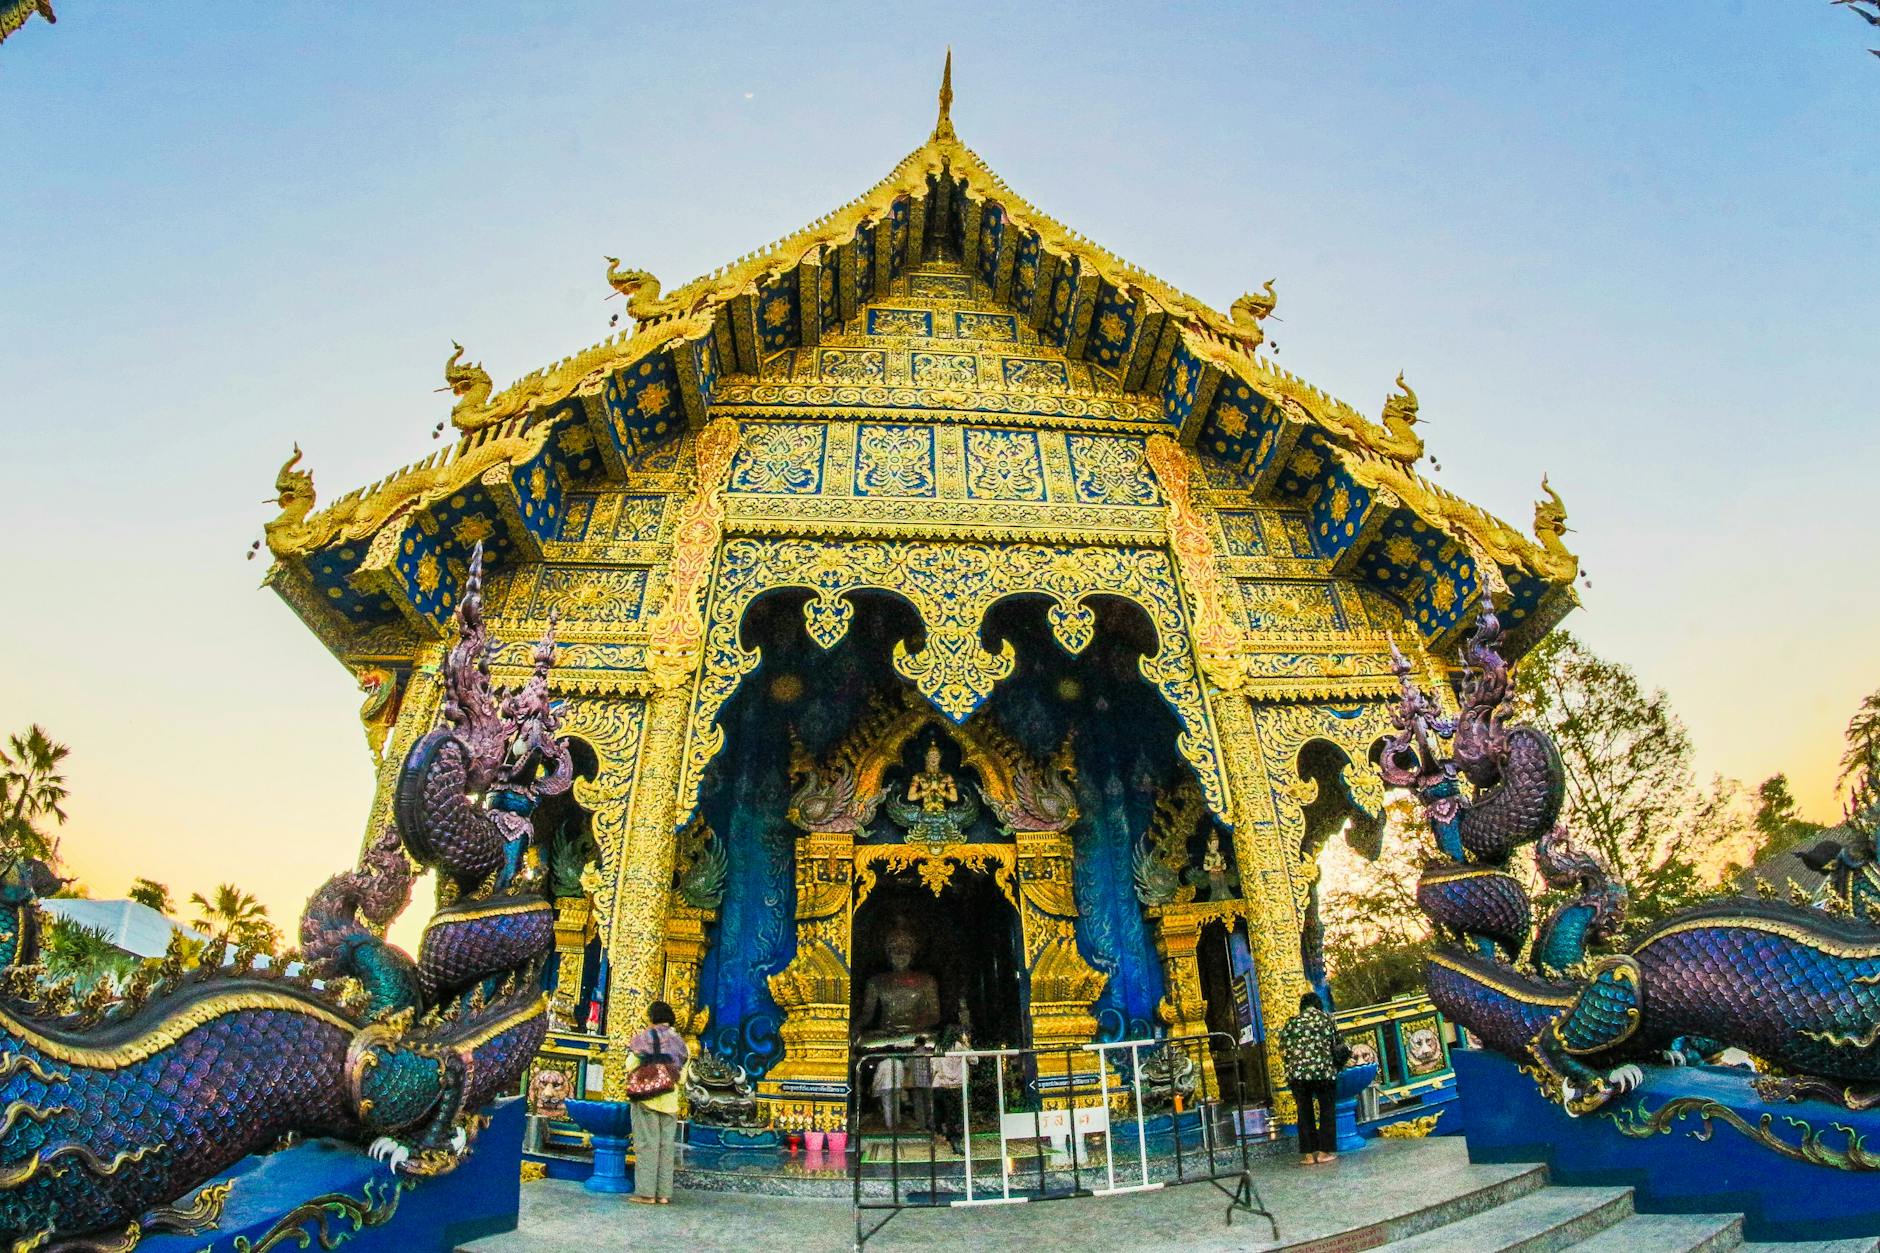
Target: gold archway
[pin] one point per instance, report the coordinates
(833, 804)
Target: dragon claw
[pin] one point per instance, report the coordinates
(390, 1151)
(459, 1140)
(1625, 1078)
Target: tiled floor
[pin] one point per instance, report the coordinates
(1400, 1185)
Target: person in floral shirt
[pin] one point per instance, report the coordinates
(1312, 1048)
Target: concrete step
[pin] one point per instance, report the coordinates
(1668, 1233)
(1552, 1218)
(1863, 1244)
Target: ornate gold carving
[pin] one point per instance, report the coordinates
(1249, 311)
(1550, 523)
(952, 586)
(1402, 443)
(359, 514)
(678, 628)
(1218, 642)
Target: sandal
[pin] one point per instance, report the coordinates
(642, 1200)
(665, 1200)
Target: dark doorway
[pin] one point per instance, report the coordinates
(969, 942)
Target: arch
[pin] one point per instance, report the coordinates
(952, 586)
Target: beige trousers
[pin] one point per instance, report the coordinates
(655, 1151)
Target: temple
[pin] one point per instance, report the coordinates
(958, 628)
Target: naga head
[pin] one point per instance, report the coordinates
(293, 490)
(1400, 411)
(1255, 307)
(1411, 758)
(467, 380)
(28, 879)
(1550, 515)
(639, 287)
(1481, 734)
(538, 760)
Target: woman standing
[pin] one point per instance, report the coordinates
(1310, 1045)
(656, 1113)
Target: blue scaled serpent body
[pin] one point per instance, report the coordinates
(115, 1111)
(1795, 986)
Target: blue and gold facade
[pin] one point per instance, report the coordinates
(940, 396)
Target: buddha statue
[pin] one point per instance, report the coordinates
(900, 1010)
(906, 1001)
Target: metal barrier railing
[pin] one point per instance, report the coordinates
(1188, 1125)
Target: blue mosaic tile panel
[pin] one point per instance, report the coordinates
(894, 460)
(1109, 470)
(1004, 465)
(780, 458)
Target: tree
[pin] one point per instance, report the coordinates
(235, 916)
(1375, 935)
(32, 789)
(1779, 818)
(150, 893)
(1631, 796)
(1863, 738)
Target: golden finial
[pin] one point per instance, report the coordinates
(943, 128)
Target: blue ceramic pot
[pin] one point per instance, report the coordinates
(610, 1124)
(1351, 1081)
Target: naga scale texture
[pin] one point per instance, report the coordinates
(1797, 987)
(117, 1109)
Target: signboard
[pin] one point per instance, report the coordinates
(1246, 991)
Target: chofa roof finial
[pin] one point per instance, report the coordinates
(943, 128)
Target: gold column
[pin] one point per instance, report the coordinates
(1177, 936)
(813, 990)
(686, 946)
(636, 932)
(1063, 984)
(1266, 872)
(574, 923)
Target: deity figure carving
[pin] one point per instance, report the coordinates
(1216, 876)
(933, 789)
(932, 810)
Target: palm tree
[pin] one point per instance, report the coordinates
(31, 788)
(151, 893)
(232, 915)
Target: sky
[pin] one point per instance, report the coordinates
(1632, 246)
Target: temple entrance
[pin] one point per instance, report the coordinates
(967, 938)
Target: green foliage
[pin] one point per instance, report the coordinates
(72, 950)
(150, 893)
(1779, 819)
(1365, 974)
(1375, 936)
(1632, 798)
(32, 790)
(1863, 739)
(234, 915)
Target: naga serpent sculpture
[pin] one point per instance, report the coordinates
(115, 1109)
(1799, 988)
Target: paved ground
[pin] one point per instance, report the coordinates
(1382, 1183)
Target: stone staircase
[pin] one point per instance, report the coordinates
(1597, 1220)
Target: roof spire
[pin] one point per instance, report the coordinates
(943, 128)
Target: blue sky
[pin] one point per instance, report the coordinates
(1635, 246)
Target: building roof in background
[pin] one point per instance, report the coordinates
(133, 927)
